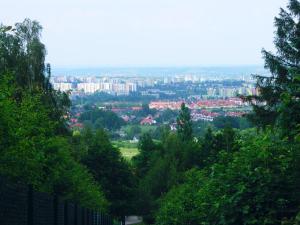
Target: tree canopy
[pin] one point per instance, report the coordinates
(277, 103)
(250, 176)
(36, 145)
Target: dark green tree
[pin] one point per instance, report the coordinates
(213, 143)
(228, 138)
(111, 171)
(277, 103)
(147, 149)
(184, 124)
(34, 142)
(22, 54)
(134, 131)
(167, 116)
(32, 152)
(259, 184)
(102, 119)
(222, 121)
(145, 109)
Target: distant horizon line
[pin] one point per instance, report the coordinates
(153, 66)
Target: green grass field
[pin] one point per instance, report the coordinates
(128, 153)
(127, 149)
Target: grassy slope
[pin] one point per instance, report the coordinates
(128, 153)
(127, 149)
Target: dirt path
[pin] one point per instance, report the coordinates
(133, 220)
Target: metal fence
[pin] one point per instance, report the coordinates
(21, 205)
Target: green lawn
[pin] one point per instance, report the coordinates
(127, 149)
(128, 153)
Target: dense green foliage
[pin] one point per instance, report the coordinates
(100, 119)
(227, 176)
(110, 170)
(161, 166)
(133, 131)
(167, 116)
(233, 176)
(34, 142)
(32, 151)
(234, 122)
(184, 123)
(259, 184)
(102, 97)
(36, 145)
(278, 100)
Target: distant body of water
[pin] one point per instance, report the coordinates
(227, 71)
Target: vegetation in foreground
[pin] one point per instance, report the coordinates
(231, 176)
(227, 176)
(36, 145)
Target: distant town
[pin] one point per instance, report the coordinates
(129, 104)
(202, 86)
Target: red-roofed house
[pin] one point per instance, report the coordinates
(148, 121)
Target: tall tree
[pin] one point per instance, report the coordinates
(259, 184)
(111, 171)
(278, 100)
(32, 152)
(184, 124)
(147, 149)
(34, 145)
(22, 54)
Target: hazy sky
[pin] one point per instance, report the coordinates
(150, 32)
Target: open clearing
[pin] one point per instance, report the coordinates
(128, 153)
(127, 149)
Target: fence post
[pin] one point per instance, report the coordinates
(55, 205)
(102, 219)
(88, 216)
(66, 217)
(92, 217)
(30, 205)
(75, 214)
(82, 216)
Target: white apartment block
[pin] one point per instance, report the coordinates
(62, 86)
(88, 87)
(92, 87)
